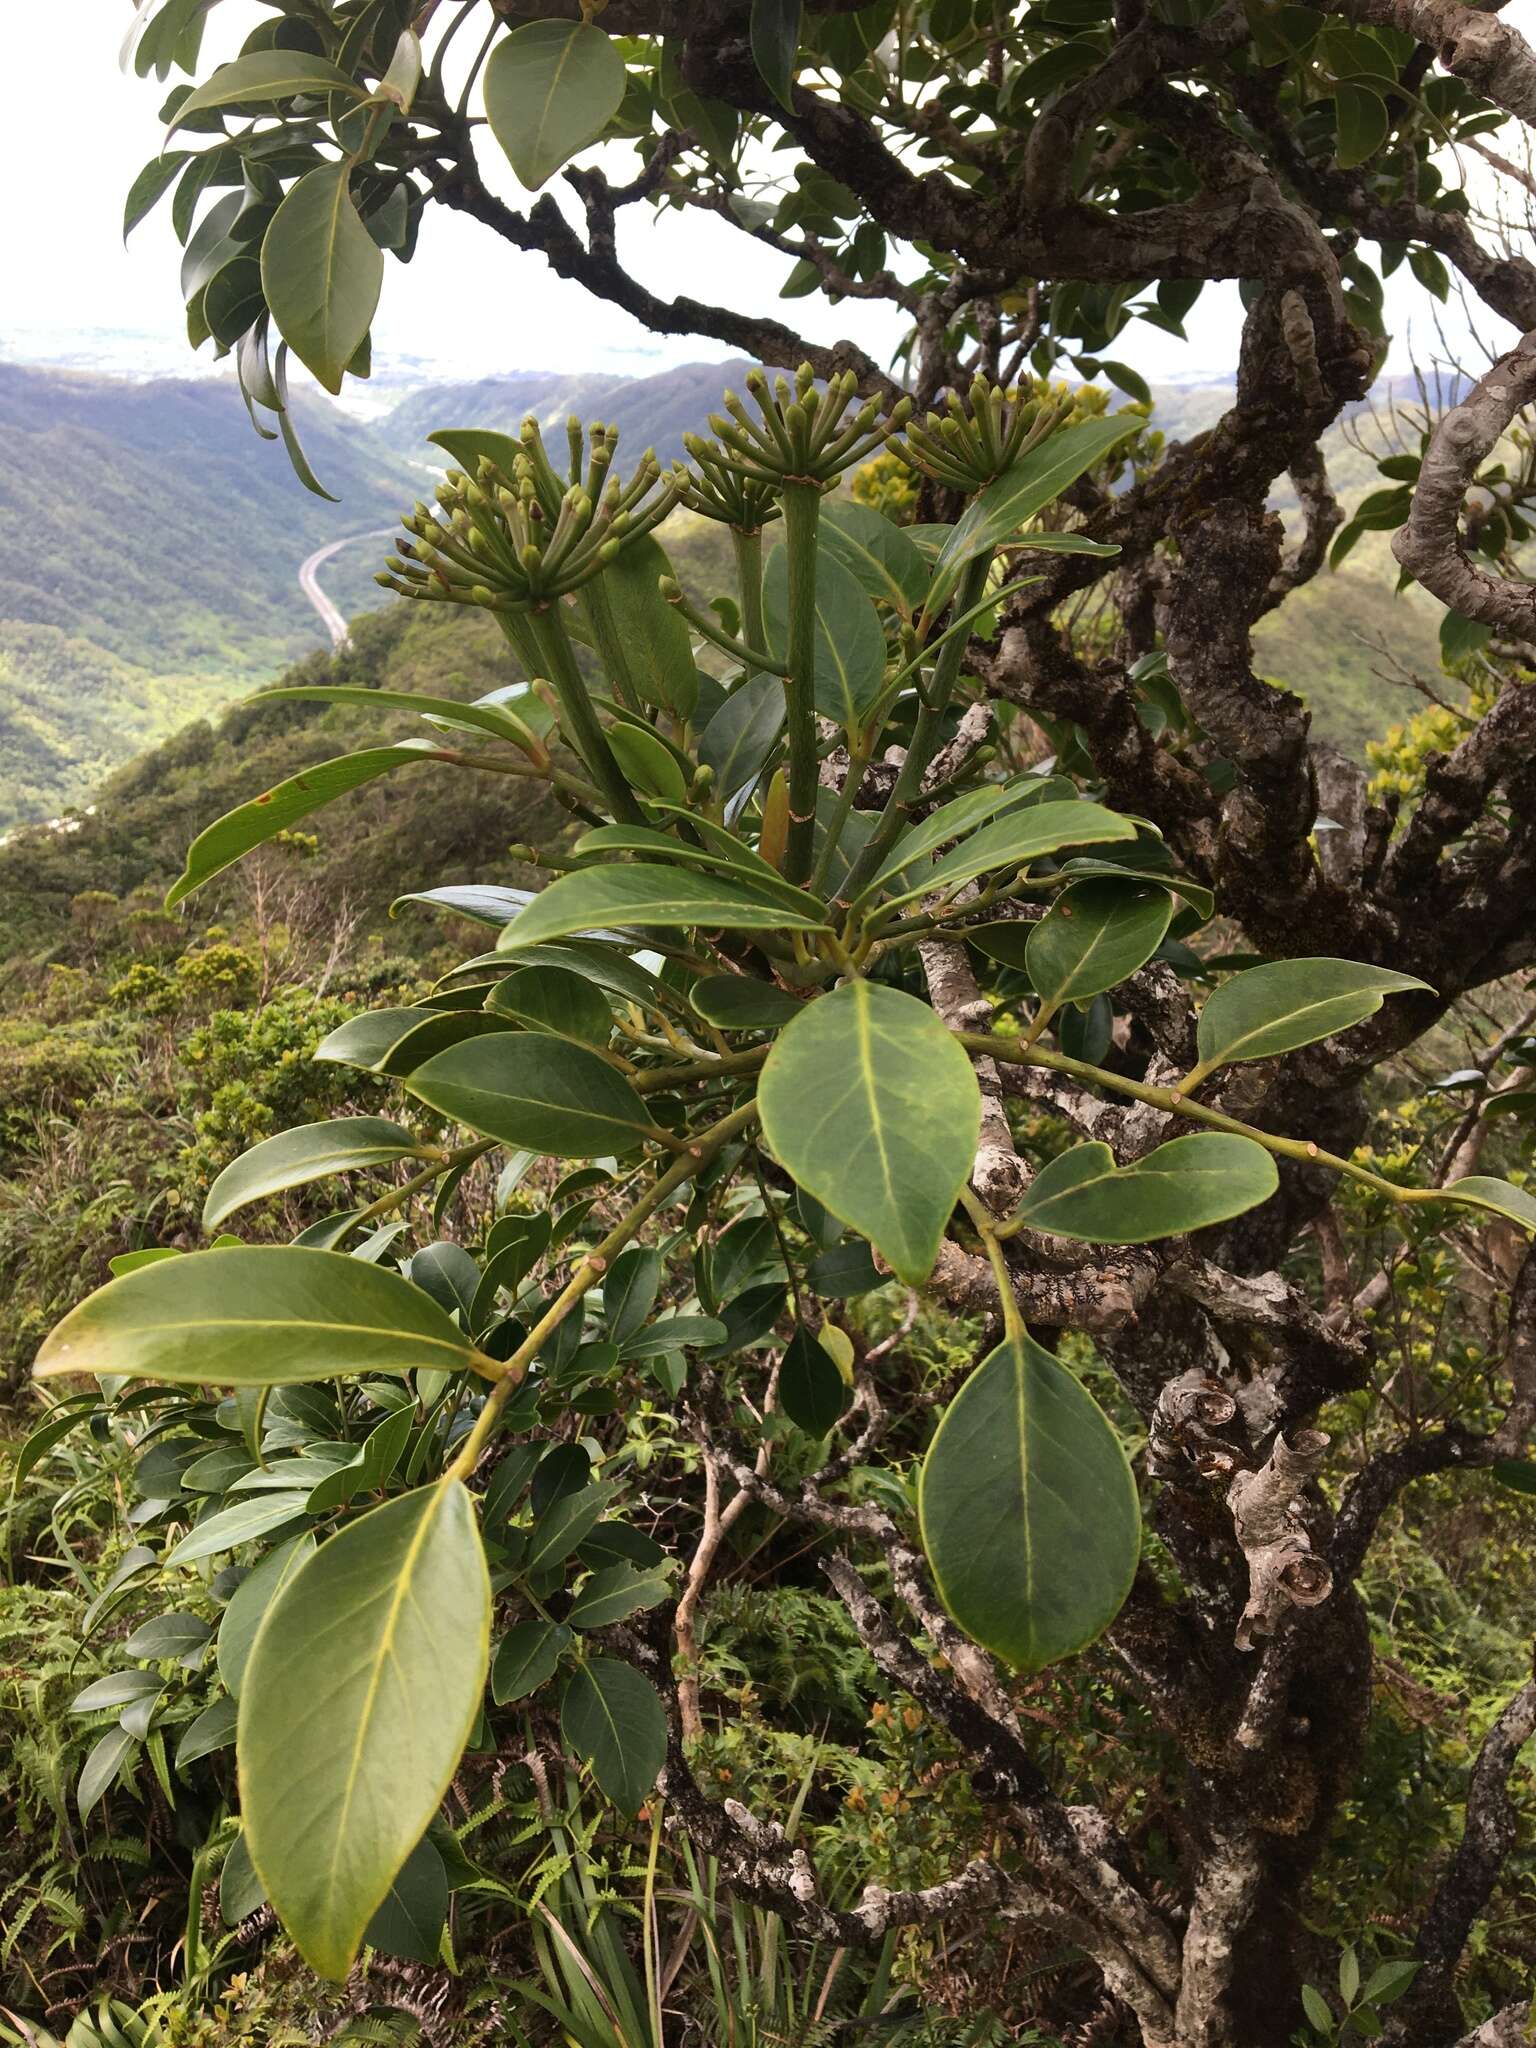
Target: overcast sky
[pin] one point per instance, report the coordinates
(68, 155)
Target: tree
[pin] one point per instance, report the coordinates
(874, 925)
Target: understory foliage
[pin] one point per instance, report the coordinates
(901, 1405)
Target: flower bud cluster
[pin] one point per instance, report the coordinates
(507, 542)
(796, 435)
(970, 445)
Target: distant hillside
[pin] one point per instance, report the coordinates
(649, 412)
(152, 546)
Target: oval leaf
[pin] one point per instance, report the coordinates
(1043, 474)
(528, 1089)
(263, 76)
(1093, 936)
(871, 1105)
(1286, 1003)
(611, 1717)
(551, 87)
(254, 1316)
(1028, 1509)
(647, 896)
(322, 272)
(556, 1001)
(276, 809)
(1183, 1185)
(1016, 839)
(362, 1688)
(309, 1152)
(656, 643)
(812, 1392)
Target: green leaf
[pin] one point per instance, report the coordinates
(262, 77)
(1499, 1197)
(398, 1041)
(250, 1601)
(101, 1768)
(567, 1521)
(117, 1689)
(812, 1392)
(1363, 124)
(174, 1635)
(1388, 1981)
(240, 1889)
(615, 1593)
(556, 1001)
(485, 716)
(410, 1922)
(1043, 474)
(658, 648)
(776, 46)
(649, 764)
(526, 1658)
(870, 1105)
(850, 647)
(738, 740)
(322, 272)
(258, 1515)
(739, 1002)
(1286, 1003)
(1093, 936)
(1183, 1185)
(645, 896)
(1518, 1474)
(362, 1689)
(611, 1717)
(151, 186)
(254, 1316)
(733, 859)
(1200, 899)
(1014, 840)
(308, 1152)
(274, 811)
(551, 88)
(629, 1291)
(1028, 1509)
(886, 564)
(1317, 2008)
(528, 1089)
(953, 820)
(213, 1730)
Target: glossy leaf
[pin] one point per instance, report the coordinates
(870, 1104)
(657, 646)
(398, 1041)
(886, 564)
(322, 272)
(551, 88)
(265, 816)
(741, 736)
(1014, 840)
(740, 1002)
(527, 1657)
(1093, 936)
(615, 1593)
(362, 1688)
(1364, 123)
(410, 1921)
(812, 1392)
(1498, 1197)
(646, 896)
(254, 1315)
(610, 1716)
(776, 45)
(1043, 474)
(1287, 1003)
(485, 716)
(725, 855)
(259, 1514)
(1028, 1509)
(263, 77)
(101, 1767)
(850, 647)
(308, 1152)
(1186, 1184)
(554, 1000)
(250, 1601)
(528, 1089)
(630, 1290)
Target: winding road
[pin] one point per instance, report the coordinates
(309, 581)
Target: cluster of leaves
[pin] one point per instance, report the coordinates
(761, 1106)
